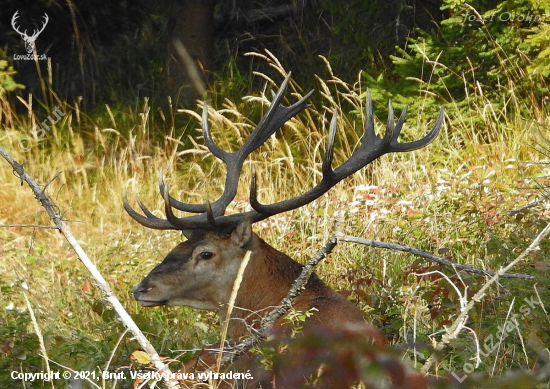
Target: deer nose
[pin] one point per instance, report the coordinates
(141, 288)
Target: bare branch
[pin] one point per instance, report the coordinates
(286, 304)
(530, 205)
(453, 331)
(428, 256)
(27, 226)
(50, 208)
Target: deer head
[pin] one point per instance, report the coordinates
(200, 271)
(29, 40)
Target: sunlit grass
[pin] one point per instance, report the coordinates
(451, 197)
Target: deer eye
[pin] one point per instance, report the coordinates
(206, 255)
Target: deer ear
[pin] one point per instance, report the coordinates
(243, 233)
(188, 233)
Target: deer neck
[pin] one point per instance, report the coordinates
(266, 281)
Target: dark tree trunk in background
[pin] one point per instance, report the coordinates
(191, 22)
(107, 51)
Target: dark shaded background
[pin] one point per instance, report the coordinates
(119, 50)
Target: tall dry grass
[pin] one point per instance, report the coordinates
(452, 196)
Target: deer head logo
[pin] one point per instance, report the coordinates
(29, 40)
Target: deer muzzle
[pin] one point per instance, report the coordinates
(145, 295)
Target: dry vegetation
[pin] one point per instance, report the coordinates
(451, 198)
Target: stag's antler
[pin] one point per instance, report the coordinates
(371, 148)
(212, 215)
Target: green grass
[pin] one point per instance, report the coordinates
(452, 197)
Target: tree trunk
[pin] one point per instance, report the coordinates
(191, 22)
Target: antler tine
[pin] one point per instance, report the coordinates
(254, 203)
(171, 222)
(213, 147)
(209, 214)
(144, 209)
(265, 210)
(372, 147)
(426, 140)
(399, 125)
(192, 208)
(207, 221)
(369, 135)
(150, 220)
(390, 123)
(275, 117)
(191, 223)
(329, 153)
(172, 219)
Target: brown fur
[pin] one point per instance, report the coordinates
(267, 280)
(186, 277)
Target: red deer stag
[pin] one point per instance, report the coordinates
(201, 271)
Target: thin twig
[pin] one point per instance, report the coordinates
(28, 226)
(74, 371)
(102, 284)
(286, 304)
(231, 304)
(530, 205)
(453, 331)
(38, 332)
(428, 256)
